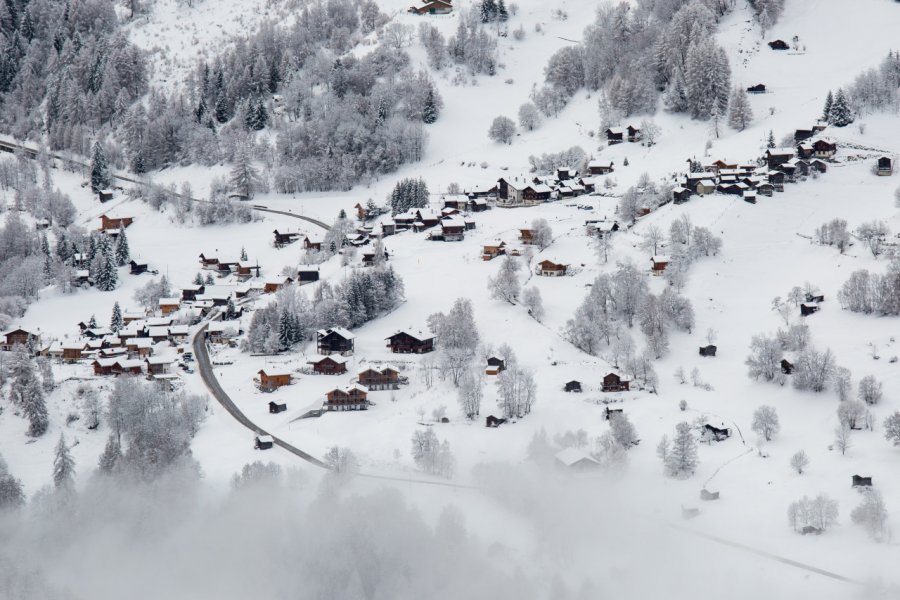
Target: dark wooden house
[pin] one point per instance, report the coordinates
(859, 481)
(492, 421)
(615, 135)
(137, 268)
(329, 365)
(709, 350)
(716, 433)
(272, 380)
(572, 386)
(277, 407)
(885, 166)
(779, 45)
(307, 275)
(285, 237)
(808, 308)
(759, 88)
(634, 133)
(612, 382)
(108, 223)
(787, 367)
(264, 442)
(19, 337)
(336, 340)
(406, 342)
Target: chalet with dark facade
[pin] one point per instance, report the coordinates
(615, 135)
(285, 237)
(779, 45)
(117, 366)
(518, 192)
(408, 342)
(137, 268)
(884, 167)
(634, 133)
(709, 350)
(330, 365)
(776, 158)
(108, 223)
(383, 378)
(549, 268)
(613, 382)
(716, 433)
(572, 386)
(600, 167)
(277, 407)
(433, 7)
(19, 337)
(336, 340)
(347, 398)
(312, 243)
(307, 275)
(824, 149)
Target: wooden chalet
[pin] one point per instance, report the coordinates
(705, 187)
(285, 237)
(245, 269)
(408, 342)
(634, 133)
(765, 189)
(613, 382)
(526, 236)
(117, 366)
(384, 378)
(336, 340)
(759, 88)
(433, 7)
(517, 192)
(495, 366)
(274, 284)
(801, 135)
(859, 481)
(137, 268)
(548, 268)
(73, 351)
(818, 165)
(347, 398)
(19, 337)
(777, 179)
(368, 258)
(312, 243)
(478, 205)
(824, 149)
(272, 380)
(82, 278)
(453, 228)
(457, 202)
(158, 365)
(190, 292)
(779, 45)
(680, 195)
(307, 275)
(776, 157)
(168, 306)
(277, 407)
(601, 229)
(329, 365)
(659, 263)
(572, 386)
(615, 135)
(600, 167)
(493, 250)
(108, 223)
(709, 350)
(885, 166)
(716, 433)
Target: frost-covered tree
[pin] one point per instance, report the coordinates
(27, 393)
(813, 370)
(622, 430)
(12, 493)
(430, 455)
(505, 285)
(470, 393)
(841, 114)
(681, 459)
(532, 301)
(765, 422)
(502, 130)
(541, 233)
(826, 110)
(740, 115)
(765, 358)
(529, 117)
(820, 512)
(799, 461)
(407, 194)
(456, 339)
(123, 255)
(565, 69)
(842, 440)
(707, 79)
(870, 390)
(871, 513)
(892, 428)
(63, 466)
(106, 276)
(652, 238)
(244, 179)
(341, 460)
(111, 455)
(516, 391)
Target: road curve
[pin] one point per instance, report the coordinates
(206, 373)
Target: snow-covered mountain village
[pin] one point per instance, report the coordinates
(360, 299)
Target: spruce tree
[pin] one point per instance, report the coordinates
(261, 118)
(198, 279)
(107, 277)
(740, 114)
(826, 112)
(488, 11)
(244, 177)
(115, 321)
(122, 254)
(62, 246)
(243, 253)
(285, 330)
(429, 112)
(92, 322)
(770, 141)
(230, 310)
(111, 455)
(100, 178)
(209, 279)
(502, 13)
(841, 114)
(63, 466)
(223, 111)
(34, 407)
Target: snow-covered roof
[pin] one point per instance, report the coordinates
(707, 183)
(660, 258)
(616, 130)
(155, 332)
(341, 360)
(541, 188)
(266, 439)
(159, 360)
(453, 222)
(344, 333)
(572, 456)
(169, 301)
(159, 321)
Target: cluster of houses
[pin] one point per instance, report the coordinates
(512, 192)
(784, 165)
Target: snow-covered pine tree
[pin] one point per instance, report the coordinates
(30, 397)
(488, 11)
(209, 279)
(429, 111)
(770, 141)
(107, 277)
(826, 111)
(198, 279)
(122, 253)
(63, 466)
(111, 455)
(115, 321)
(841, 113)
(92, 322)
(502, 12)
(100, 178)
(740, 114)
(286, 333)
(244, 178)
(681, 459)
(230, 310)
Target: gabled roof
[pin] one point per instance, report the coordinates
(660, 258)
(418, 335)
(341, 360)
(336, 330)
(572, 456)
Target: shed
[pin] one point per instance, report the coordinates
(137, 268)
(859, 481)
(885, 166)
(613, 382)
(779, 45)
(808, 308)
(716, 433)
(759, 88)
(787, 367)
(659, 263)
(264, 442)
(573, 386)
(277, 407)
(492, 421)
(709, 350)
